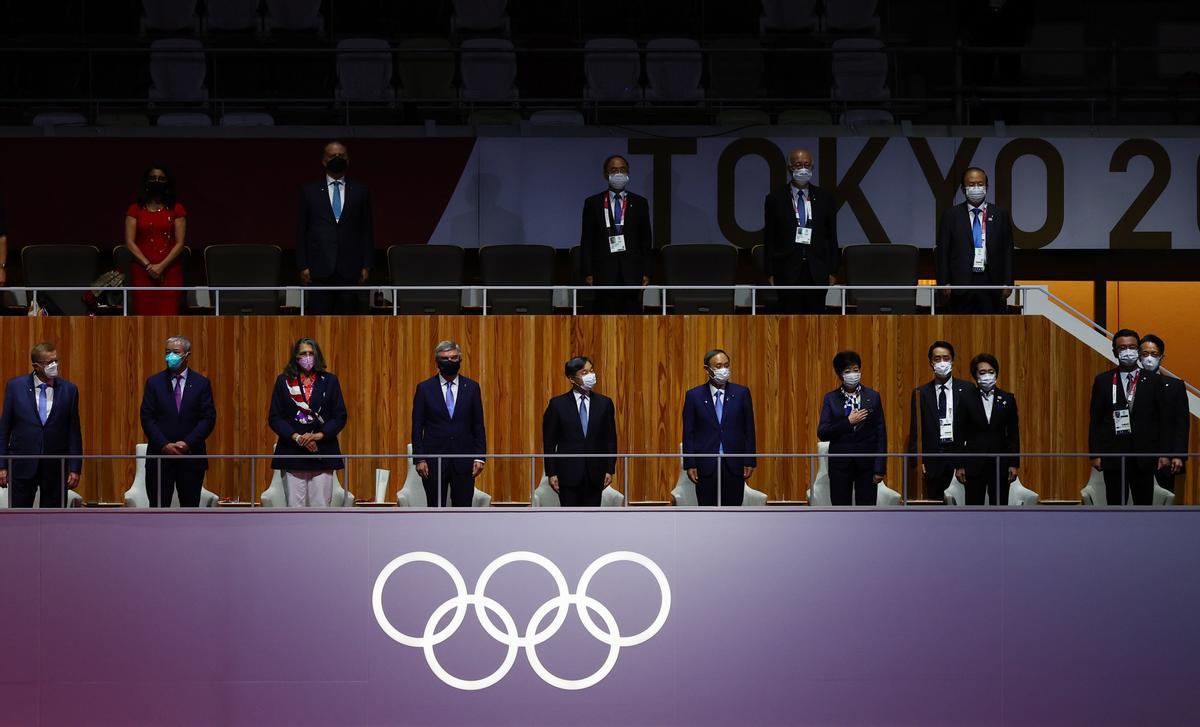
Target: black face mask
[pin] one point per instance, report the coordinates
(156, 190)
(449, 369)
(337, 165)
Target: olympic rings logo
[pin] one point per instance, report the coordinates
(508, 634)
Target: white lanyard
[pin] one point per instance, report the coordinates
(807, 208)
(624, 208)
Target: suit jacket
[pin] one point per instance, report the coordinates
(192, 423)
(785, 259)
(870, 437)
(435, 432)
(955, 253)
(327, 403)
(562, 433)
(621, 268)
(329, 248)
(1002, 434)
(1178, 417)
(702, 434)
(1148, 418)
(924, 429)
(22, 431)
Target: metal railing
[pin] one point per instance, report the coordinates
(1119, 465)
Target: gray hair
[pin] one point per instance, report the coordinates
(187, 345)
(446, 346)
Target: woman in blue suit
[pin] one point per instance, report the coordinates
(307, 412)
(852, 422)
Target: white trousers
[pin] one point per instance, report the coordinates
(309, 489)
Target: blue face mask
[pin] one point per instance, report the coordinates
(173, 360)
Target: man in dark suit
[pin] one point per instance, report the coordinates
(1127, 415)
(335, 235)
(41, 416)
(447, 418)
(935, 424)
(616, 243)
(1178, 418)
(178, 414)
(800, 232)
(852, 421)
(975, 247)
(718, 418)
(990, 425)
(580, 422)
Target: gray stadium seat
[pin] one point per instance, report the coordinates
(882, 265)
(700, 265)
(231, 15)
(61, 265)
(612, 75)
(489, 69)
(427, 265)
(177, 70)
(518, 265)
(425, 74)
(364, 71)
(674, 68)
(244, 265)
(586, 301)
(767, 300)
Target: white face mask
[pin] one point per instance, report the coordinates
(1150, 363)
(51, 370)
(1127, 355)
(618, 181)
(720, 375)
(976, 193)
(987, 382)
(851, 379)
(587, 381)
(943, 368)
(802, 175)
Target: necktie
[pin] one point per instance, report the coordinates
(1128, 384)
(942, 401)
(720, 406)
(801, 213)
(976, 229)
(618, 212)
(177, 385)
(583, 414)
(42, 402)
(450, 398)
(337, 200)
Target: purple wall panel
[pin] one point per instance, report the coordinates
(778, 617)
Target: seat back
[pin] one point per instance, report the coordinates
(426, 265)
(700, 265)
(244, 265)
(295, 14)
(177, 70)
(364, 69)
(61, 265)
(882, 265)
(518, 265)
(768, 300)
(425, 74)
(733, 74)
(231, 15)
(674, 68)
(613, 72)
(489, 69)
(860, 69)
(788, 15)
(544, 495)
(585, 299)
(412, 494)
(818, 493)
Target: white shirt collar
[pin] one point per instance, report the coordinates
(581, 394)
(712, 391)
(182, 373)
(38, 382)
(330, 180)
(982, 206)
(442, 381)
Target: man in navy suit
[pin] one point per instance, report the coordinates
(935, 420)
(852, 422)
(975, 247)
(41, 416)
(335, 235)
(718, 418)
(447, 418)
(800, 232)
(580, 421)
(178, 414)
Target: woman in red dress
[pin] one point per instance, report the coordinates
(155, 227)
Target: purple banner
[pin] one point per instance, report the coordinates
(1017, 616)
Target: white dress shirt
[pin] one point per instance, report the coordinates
(988, 398)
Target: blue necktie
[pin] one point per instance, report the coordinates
(801, 213)
(618, 212)
(337, 200)
(450, 398)
(720, 406)
(977, 229)
(42, 402)
(583, 414)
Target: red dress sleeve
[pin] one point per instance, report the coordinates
(133, 210)
(179, 211)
